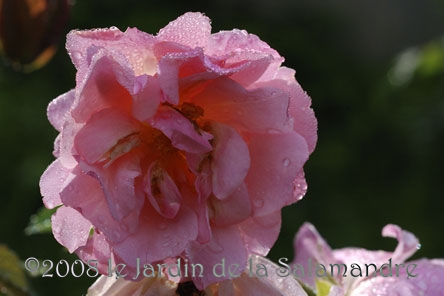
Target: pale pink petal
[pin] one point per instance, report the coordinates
(162, 237)
(150, 286)
(133, 44)
(181, 131)
(300, 110)
(276, 159)
(85, 194)
(272, 284)
(146, 98)
(118, 184)
(259, 110)
(162, 192)
(192, 29)
(70, 228)
(311, 249)
(226, 42)
(407, 242)
(260, 233)
(106, 135)
(225, 248)
(109, 83)
(52, 183)
(96, 253)
(59, 109)
(203, 188)
(230, 160)
(233, 209)
(425, 279)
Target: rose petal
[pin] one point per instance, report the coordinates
(105, 132)
(161, 236)
(85, 194)
(275, 161)
(59, 109)
(192, 29)
(230, 160)
(70, 228)
(52, 182)
(258, 110)
(181, 131)
(226, 246)
(233, 209)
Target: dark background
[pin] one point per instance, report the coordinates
(379, 158)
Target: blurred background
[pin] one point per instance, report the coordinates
(374, 71)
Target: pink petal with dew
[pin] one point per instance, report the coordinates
(85, 194)
(407, 246)
(254, 282)
(230, 160)
(52, 183)
(231, 210)
(59, 109)
(260, 233)
(181, 131)
(225, 248)
(110, 82)
(232, 42)
(70, 228)
(106, 135)
(304, 120)
(118, 184)
(310, 247)
(146, 98)
(192, 29)
(161, 236)
(135, 45)
(96, 253)
(258, 110)
(275, 161)
(425, 278)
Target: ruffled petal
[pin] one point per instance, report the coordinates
(192, 29)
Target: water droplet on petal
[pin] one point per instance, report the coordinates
(286, 162)
(259, 203)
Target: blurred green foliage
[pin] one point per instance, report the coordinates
(378, 93)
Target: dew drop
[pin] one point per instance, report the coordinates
(286, 162)
(418, 246)
(259, 203)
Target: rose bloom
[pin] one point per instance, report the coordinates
(412, 278)
(253, 281)
(184, 144)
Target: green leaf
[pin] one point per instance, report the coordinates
(12, 278)
(40, 222)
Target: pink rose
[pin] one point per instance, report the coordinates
(391, 277)
(184, 144)
(259, 279)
